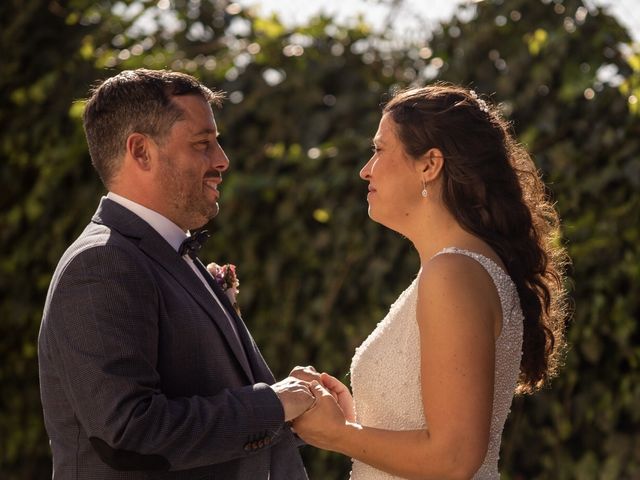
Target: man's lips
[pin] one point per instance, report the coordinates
(212, 183)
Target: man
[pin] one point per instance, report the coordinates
(146, 371)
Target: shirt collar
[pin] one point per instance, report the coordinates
(172, 233)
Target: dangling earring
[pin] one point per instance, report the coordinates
(424, 189)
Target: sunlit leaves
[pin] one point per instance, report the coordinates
(270, 27)
(536, 40)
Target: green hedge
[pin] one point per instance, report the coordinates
(316, 274)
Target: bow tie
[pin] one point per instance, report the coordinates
(191, 245)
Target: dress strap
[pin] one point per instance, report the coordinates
(501, 279)
(482, 259)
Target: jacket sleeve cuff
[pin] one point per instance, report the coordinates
(267, 408)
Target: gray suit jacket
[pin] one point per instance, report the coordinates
(141, 375)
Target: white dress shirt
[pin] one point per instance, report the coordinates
(174, 236)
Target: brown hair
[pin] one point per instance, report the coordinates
(493, 189)
(134, 101)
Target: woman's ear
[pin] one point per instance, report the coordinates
(430, 164)
(139, 150)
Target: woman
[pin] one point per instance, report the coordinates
(433, 384)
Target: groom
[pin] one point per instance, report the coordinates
(146, 371)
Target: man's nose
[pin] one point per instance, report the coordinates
(220, 160)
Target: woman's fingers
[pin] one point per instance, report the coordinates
(341, 394)
(332, 383)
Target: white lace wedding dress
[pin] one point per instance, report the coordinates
(385, 370)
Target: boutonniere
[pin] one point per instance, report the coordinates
(226, 278)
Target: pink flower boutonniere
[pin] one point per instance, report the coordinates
(226, 278)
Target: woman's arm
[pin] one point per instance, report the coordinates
(458, 307)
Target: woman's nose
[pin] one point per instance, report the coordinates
(365, 172)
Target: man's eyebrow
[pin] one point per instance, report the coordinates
(207, 131)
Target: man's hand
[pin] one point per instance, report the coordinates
(295, 397)
(308, 374)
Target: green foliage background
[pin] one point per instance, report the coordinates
(316, 273)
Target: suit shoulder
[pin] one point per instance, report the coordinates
(101, 248)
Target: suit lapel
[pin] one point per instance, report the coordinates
(258, 365)
(180, 270)
(153, 245)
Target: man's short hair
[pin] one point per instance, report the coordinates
(134, 101)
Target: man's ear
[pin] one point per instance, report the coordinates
(430, 164)
(139, 150)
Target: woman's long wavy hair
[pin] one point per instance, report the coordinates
(493, 189)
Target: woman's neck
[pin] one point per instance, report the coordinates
(439, 231)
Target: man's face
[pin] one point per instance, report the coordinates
(191, 162)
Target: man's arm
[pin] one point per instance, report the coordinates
(101, 335)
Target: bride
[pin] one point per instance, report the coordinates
(484, 317)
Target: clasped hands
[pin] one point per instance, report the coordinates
(318, 404)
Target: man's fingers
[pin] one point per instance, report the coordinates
(308, 368)
(296, 397)
(307, 373)
(318, 390)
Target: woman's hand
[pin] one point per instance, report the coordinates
(342, 395)
(321, 425)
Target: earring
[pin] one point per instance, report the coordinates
(424, 189)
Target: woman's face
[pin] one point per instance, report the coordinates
(395, 181)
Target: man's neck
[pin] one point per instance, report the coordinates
(171, 232)
(145, 201)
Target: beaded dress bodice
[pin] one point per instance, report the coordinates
(385, 370)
